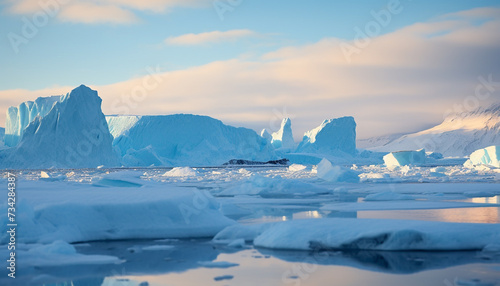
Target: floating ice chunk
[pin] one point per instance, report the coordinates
(237, 243)
(283, 138)
(404, 158)
(217, 264)
(296, 167)
(328, 172)
(244, 171)
(387, 196)
(489, 156)
(238, 231)
(181, 172)
(223, 277)
(492, 248)
(61, 253)
(158, 247)
(377, 234)
(121, 179)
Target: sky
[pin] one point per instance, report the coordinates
(396, 66)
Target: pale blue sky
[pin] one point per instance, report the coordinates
(66, 52)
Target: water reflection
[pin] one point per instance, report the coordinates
(180, 265)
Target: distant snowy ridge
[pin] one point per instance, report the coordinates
(67, 132)
(184, 140)
(458, 135)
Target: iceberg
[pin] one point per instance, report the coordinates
(283, 138)
(72, 133)
(184, 140)
(328, 172)
(266, 135)
(333, 137)
(489, 156)
(405, 158)
(18, 118)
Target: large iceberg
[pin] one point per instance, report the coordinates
(332, 137)
(283, 138)
(69, 131)
(488, 156)
(184, 139)
(404, 158)
(18, 118)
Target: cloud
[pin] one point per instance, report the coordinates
(94, 12)
(401, 82)
(209, 37)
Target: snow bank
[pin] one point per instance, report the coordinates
(74, 213)
(181, 172)
(333, 136)
(328, 172)
(183, 139)
(283, 138)
(404, 158)
(489, 156)
(121, 179)
(377, 234)
(71, 134)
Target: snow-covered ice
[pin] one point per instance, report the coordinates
(181, 172)
(370, 234)
(51, 211)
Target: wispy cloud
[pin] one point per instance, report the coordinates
(209, 37)
(95, 12)
(402, 82)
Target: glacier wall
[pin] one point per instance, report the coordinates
(18, 118)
